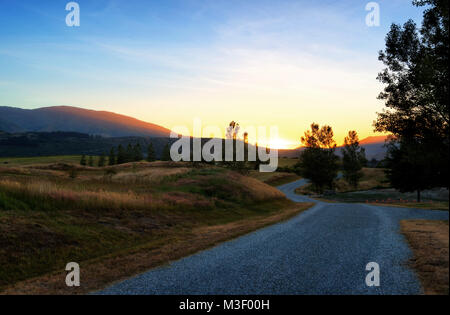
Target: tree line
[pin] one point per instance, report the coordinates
(130, 153)
(416, 96)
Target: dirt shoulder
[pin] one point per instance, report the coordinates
(429, 241)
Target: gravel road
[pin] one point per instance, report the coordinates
(324, 250)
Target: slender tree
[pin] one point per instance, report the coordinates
(166, 153)
(354, 158)
(121, 155)
(83, 160)
(90, 161)
(151, 153)
(129, 153)
(137, 153)
(112, 157)
(101, 160)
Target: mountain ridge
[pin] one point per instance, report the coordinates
(76, 119)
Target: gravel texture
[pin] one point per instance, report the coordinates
(324, 250)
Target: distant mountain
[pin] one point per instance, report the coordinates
(74, 119)
(373, 139)
(374, 146)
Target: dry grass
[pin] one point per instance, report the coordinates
(149, 175)
(435, 205)
(287, 162)
(258, 190)
(372, 178)
(102, 271)
(48, 218)
(275, 178)
(95, 200)
(429, 241)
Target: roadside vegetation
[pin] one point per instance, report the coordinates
(371, 178)
(285, 173)
(51, 214)
(429, 243)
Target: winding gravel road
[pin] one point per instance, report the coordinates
(322, 251)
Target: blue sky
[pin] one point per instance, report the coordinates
(259, 62)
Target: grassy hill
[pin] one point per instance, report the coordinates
(129, 217)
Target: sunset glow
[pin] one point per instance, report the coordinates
(260, 63)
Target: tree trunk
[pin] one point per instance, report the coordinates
(418, 195)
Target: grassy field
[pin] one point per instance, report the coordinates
(374, 189)
(373, 178)
(429, 242)
(278, 178)
(23, 161)
(55, 213)
(387, 197)
(274, 178)
(287, 162)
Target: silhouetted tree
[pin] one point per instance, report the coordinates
(354, 158)
(112, 157)
(83, 160)
(411, 166)
(129, 154)
(101, 160)
(257, 162)
(417, 90)
(318, 163)
(166, 153)
(90, 161)
(137, 153)
(151, 153)
(121, 155)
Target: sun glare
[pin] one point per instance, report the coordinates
(281, 144)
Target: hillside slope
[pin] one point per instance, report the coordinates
(74, 119)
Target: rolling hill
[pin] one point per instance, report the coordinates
(74, 119)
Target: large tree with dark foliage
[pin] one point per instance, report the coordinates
(411, 166)
(354, 158)
(417, 98)
(318, 163)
